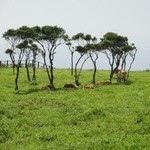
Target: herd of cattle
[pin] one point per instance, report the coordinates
(121, 76)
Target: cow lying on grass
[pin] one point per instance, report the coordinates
(48, 87)
(121, 75)
(88, 86)
(70, 86)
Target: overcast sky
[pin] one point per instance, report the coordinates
(129, 18)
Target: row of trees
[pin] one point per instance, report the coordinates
(31, 42)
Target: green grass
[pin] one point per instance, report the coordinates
(108, 117)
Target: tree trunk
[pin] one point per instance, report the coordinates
(94, 64)
(13, 62)
(34, 76)
(111, 73)
(133, 58)
(76, 76)
(72, 63)
(47, 70)
(34, 69)
(112, 68)
(13, 69)
(16, 79)
(51, 73)
(94, 74)
(77, 82)
(27, 69)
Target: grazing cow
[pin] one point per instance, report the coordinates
(88, 86)
(121, 75)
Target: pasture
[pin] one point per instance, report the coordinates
(108, 117)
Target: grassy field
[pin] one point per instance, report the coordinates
(108, 117)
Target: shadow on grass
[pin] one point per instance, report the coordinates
(61, 89)
(30, 91)
(128, 82)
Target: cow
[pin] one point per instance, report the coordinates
(121, 75)
(70, 86)
(88, 86)
(48, 87)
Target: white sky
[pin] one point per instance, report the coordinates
(129, 18)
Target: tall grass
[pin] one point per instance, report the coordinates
(107, 117)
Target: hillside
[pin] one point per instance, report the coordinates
(107, 117)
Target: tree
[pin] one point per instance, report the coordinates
(49, 38)
(26, 34)
(27, 53)
(32, 50)
(93, 51)
(82, 51)
(72, 50)
(35, 52)
(130, 50)
(21, 49)
(116, 49)
(81, 40)
(18, 40)
(16, 51)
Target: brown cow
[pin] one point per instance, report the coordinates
(121, 75)
(88, 86)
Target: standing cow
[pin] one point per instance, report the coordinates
(121, 75)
